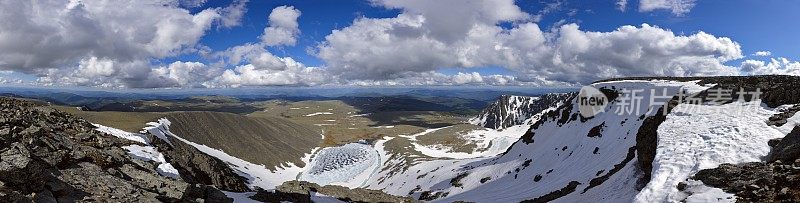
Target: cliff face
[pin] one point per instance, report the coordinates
(48, 156)
(511, 110)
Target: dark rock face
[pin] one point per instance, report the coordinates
(49, 156)
(777, 89)
(647, 142)
(756, 181)
(780, 119)
(197, 167)
(301, 191)
(569, 188)
(597, 131)
(561, 113)
(514, 110)
(787, 149)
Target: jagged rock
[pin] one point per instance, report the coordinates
(195, 166)
(301, 191)
(430, 195)
(50, 156)
(511, 110)
(755, 181)
(787, 149)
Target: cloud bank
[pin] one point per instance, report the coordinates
(95, 43)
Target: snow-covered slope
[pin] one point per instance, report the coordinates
(510, 110)
(565, 157)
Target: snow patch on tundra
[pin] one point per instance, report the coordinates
(318, 113)
(122, 134)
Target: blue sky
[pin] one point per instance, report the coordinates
(769, 25)
(579, 41)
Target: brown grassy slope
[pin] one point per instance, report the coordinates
(127, 121)
(265, 140)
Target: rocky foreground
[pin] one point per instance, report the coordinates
(50, 156)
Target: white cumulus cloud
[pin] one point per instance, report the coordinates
(413, 42)
(775, 66)
(677, 7)
(763, 53)
(283, 27)
(102, 43)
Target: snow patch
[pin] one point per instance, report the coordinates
(697, 137)
(350, 165)
(145, 153)
(700, 193)
(122, 134)
(318, 113)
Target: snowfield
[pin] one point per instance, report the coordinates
(349, 165)
(490, 142)
(729, 133)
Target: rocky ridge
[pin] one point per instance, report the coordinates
(51, 156)
(511, 110)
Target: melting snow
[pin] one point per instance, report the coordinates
(145, 153)
(319, 113)
(701, 193)
(149, 153)
(490, 142)
(350, 165)
(696, 137)
(122, 134)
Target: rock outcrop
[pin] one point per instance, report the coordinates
(197, 167)
(775, 180)
(756, 181)
(50, 156)
(301, 191)
(511, 110)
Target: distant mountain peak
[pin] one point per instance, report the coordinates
(510, 110)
